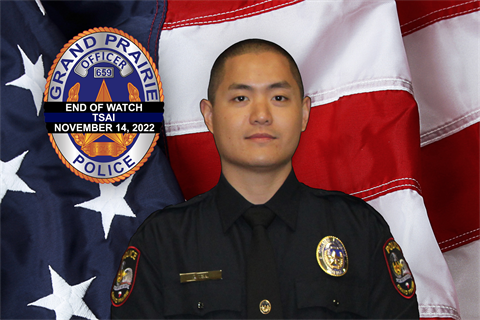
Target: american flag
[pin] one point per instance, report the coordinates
(394, 121)
(63, 237)
(394, 88)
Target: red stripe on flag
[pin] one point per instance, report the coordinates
(187, 13)
(365, 144)
(415, 15)
(452, 188)
(195, 162)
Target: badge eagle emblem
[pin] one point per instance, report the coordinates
(332, 256)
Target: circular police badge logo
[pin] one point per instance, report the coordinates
(103, 105)
(332, 256)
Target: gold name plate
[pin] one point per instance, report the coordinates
(201, 276)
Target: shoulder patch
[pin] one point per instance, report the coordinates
(125, 279)
(400, 273)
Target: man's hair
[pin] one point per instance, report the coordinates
(248, 46)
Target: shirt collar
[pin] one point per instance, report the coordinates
(231, 204)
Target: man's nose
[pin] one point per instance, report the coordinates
(261, 112)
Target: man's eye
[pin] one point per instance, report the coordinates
(240, 98)
(279, 98)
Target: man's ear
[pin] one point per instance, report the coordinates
(206, 108)
(306, 105)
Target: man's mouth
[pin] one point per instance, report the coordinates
(261, 136)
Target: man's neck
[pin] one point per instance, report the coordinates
(257, 186)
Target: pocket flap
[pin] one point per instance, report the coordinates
(333, 293)
(200, 298)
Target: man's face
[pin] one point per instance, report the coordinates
(258, 114)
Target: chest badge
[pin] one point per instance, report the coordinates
(332, 256)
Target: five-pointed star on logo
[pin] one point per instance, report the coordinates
(32, 80)
(111, 202)
(66, 300)
(9, 180)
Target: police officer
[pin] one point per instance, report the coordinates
(260, 244)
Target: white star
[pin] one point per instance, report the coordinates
(32, 80)
(9, 179)
(110, 203)
(66, 300)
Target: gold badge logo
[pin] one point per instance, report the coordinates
(332, 256)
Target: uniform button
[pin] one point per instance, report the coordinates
(200, 305)
(336, 303)
(265, 306)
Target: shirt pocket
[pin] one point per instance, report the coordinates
(336, 296)
(199, 298)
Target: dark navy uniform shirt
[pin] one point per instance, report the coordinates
(208, 233)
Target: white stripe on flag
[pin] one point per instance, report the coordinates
(445, 65)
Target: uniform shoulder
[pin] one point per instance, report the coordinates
(182, 206)
(332, 194)
(341, 199)
(176, 212)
